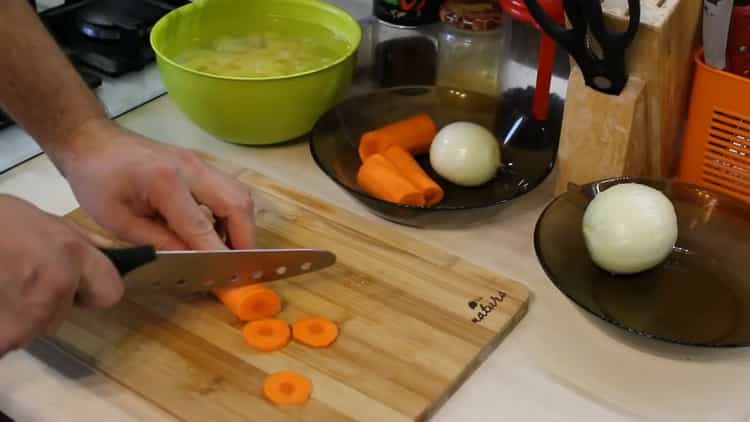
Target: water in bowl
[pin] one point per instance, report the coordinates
(281, 48)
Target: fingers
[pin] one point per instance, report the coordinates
(12, 336)
(142, 230)
(63, 310)
(241, 229)
(44, 268)
(172, 198)
(51, 288)
(100, 285)
(231, 203)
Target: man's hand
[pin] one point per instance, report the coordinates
(45, 264)
(146, 192)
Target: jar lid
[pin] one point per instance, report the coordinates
(472, 15)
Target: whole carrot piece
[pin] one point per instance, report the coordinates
(414, 134)
(380, 178)
(413, 172)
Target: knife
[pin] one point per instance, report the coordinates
(186, 272)
(717, 15)
(738, 45)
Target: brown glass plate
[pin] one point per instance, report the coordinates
(528, 156)
(699, 296)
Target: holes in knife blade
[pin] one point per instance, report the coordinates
(281, 270)
(306, 266)
(257, 275)
(235, 278)
(181, 282)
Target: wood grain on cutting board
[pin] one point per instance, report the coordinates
(410, 332)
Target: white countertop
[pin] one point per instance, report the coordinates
(558, 364)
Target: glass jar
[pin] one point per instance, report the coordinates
(470, 45)
(403, 56)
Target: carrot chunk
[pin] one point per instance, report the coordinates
(414, 134)
(251, 302)
(267, 335)
(413, 172)
(381, 179)
(287, 387)
(315, 331)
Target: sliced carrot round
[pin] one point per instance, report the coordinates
(315, 331)
(267, 334)
(251, 302)
(287, 387)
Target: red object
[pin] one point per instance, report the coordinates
(517, 9)
(554, 8)
(738, 44)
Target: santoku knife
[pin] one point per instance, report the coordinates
(144, 268)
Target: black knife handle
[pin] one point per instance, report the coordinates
(128, 259)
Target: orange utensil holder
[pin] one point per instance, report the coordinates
(716, 149)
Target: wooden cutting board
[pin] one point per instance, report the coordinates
(414, 323)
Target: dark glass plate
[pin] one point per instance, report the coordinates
(528, 157)
(699, 296)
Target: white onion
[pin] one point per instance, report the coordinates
(465, 153)
(629, 228)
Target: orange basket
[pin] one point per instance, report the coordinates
(716, 150)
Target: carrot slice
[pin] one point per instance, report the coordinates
(287, 387)
(267, 334)
(315, 331)
(251, 302)
(380, 178)
(413, 172)
(414, 134)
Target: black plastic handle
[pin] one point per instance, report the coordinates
(128, 259)
(619, 40)
(607, 73)
(552, 28)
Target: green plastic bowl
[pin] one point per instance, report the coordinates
(252, 111)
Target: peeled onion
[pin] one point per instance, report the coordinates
(465, 153)
(629, 228)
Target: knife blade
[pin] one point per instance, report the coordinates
(187, 272)
(717, 15)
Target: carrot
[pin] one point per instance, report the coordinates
(287, 387)
(380, 178)
(412, 171)
(414, 134)
(250, 302)
(267, 334)
(315, 331)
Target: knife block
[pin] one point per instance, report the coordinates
(637, 133)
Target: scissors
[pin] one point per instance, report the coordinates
(603, 68)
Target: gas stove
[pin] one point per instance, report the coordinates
(107, 42)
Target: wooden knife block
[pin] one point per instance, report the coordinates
(638, 132)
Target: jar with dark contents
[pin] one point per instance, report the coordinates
(471, 45)
(407, 13)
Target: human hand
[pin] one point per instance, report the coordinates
(45, 264)
(146, 192)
